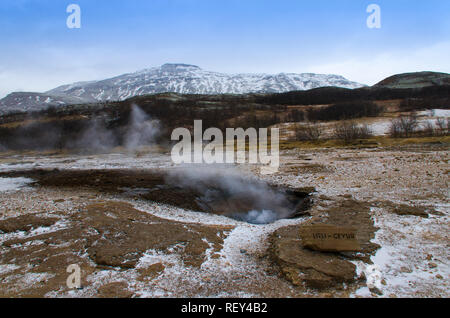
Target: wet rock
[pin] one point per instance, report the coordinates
(25, 223)
(151, 271)
(115, 290)
(300, 265)
(406, 270)
(105, 234)
(329, 238)
(303, 266)
(404, 209)
(376, 291)
(353, 214)
(125, 234)
(410, 210)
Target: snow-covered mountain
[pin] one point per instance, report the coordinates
(28, 101)
(178, 78)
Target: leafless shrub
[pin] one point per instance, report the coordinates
(395, 129)
(349, 131)
(428, 129)
(443, 125)
(308, 132)
(404, 126)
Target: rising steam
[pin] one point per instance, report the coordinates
(142, 130)
(225, 191)
(96, 137)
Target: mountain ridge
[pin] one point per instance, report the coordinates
(415, 80)
(177, 78)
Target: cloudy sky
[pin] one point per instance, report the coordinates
(38, 52)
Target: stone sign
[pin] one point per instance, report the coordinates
(329, 238)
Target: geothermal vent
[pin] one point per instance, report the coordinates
(218, 191)
(244, 199)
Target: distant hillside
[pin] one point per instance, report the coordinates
(28, 101)
(58, 127)
(175, 78)
(415, 80)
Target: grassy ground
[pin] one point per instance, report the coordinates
(379, 141)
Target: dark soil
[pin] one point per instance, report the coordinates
(322, 270)
(155, 185)
(105, 235)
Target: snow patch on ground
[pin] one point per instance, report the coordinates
(400, 267)
(13, 184)
(29, 279)
(6, 268)
(380, 128)
(58, 226)
(435, 113)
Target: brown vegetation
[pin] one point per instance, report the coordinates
(349, 131)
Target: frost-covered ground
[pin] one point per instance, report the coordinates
(381, 126)
(13, 184)
(413, 259)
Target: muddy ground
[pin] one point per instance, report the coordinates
(134, 237)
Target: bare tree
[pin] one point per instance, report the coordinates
(404, 126)
(308, 132)
(443, 125)
(428, 129)
(349, 131)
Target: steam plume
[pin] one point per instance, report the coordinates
(226, 191)
(142, 130)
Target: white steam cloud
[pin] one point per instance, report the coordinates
(96, 137)
(225, 191)
(142, 130)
